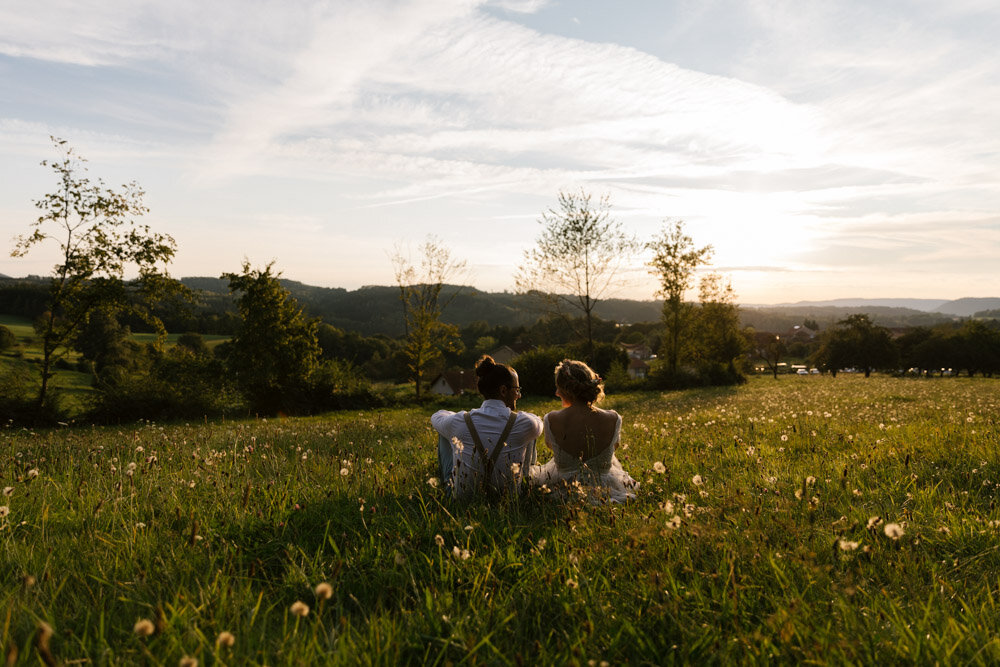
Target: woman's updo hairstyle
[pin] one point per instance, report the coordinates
(578, 382)
(492, 376)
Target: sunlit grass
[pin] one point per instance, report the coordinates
(801, 520)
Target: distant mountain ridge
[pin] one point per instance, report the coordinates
(375, 309)
(964, 307)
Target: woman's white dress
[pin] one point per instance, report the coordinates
(600, 478)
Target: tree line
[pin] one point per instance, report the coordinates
(856, 343)
(281, 360)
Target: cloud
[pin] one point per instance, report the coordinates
(519, 6)
(827, 135)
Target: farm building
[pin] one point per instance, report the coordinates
(453, 383)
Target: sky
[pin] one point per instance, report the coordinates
(824, 149)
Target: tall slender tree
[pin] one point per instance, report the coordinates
(276, 351)
(578, 258)
(95, 230)
(720, 343)
(421, 296)
(674, 262)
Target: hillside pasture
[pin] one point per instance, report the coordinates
(807, 519)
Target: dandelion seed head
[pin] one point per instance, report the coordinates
(344, 472)
(187, 661)
(893, 531)
(434, 482)
(143, 627)
(659, 467)
(515, 468)
(8, 490)
(438, 540)
(33, 473)
(697, 480)
(324, 591)
(225, 639)
(873, 522)
(299, 608)
(847, 545)
(571, 583)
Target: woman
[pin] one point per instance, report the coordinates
(489, 448)
(583, 438)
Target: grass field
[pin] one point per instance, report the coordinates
(807, 519)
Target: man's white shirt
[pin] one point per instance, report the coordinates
(489, 420)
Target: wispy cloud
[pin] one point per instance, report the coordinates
(829, 135)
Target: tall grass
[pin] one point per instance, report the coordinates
(800, 520)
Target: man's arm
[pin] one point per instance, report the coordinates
(440, 420)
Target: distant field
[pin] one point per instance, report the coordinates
(803, 520)
(19, 326)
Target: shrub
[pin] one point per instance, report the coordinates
(7, 338)
(169, 386)
(535, 370)
(18, 403)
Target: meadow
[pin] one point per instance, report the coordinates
(799, 520)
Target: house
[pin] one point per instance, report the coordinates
(638, 356)
(637, 351)
(507, 353)
(637, 369)
(799, 334)
(453, 383)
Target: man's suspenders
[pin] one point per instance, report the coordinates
(490, 461)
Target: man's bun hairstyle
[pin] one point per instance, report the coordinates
(492, 376)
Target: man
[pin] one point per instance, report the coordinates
(491, 447)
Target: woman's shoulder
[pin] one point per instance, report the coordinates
(609, 415)
(555, 416)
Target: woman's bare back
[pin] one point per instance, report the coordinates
(583, 431)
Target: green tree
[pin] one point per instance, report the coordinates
(7, 338)
(103, 341)
(192, 343)
(977, 348)
(95, 230)
(718, 339)
(674, 262)
(857, 342)
(769, 348)
(275, 352)
(578, 258)
(420, 293)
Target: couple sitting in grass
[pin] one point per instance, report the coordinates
(492, 448)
